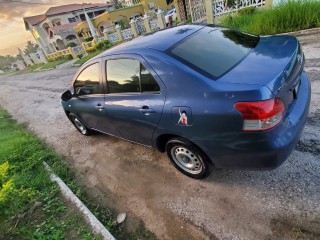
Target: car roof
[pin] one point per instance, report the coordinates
(160, 40)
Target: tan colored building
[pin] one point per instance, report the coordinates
(53, 30)
(108, 20)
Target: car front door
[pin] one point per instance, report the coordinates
(88, 103)
(134, 97)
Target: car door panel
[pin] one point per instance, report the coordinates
(136, 115)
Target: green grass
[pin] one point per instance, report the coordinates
(50, 65)
(86, 58)
(11, 72)
(34, 67)
(287, 17)
(31, 206)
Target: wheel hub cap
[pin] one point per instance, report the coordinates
(79, 125)
(186, 160)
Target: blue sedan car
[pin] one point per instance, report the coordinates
(206, 95)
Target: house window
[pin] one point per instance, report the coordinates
(71, 20)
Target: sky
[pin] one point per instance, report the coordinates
(12, 31)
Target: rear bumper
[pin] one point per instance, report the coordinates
(263, 150)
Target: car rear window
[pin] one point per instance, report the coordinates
(214, 51)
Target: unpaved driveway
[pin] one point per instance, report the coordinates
(279, 204)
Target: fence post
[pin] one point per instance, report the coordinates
(118, 29)
(73, 54)
(133, 25)
(176, 6)
(105, 35)
(84, 46)
(209, 10)
(161, 20)
(146, 23)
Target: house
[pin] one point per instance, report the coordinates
(54, 31)
(106, 22)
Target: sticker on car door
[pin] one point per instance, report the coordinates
(182, 116)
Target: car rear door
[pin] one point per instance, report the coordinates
(134, 97)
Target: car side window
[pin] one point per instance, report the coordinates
(123, 75)
(88, 81)
(148, 84)
(129, 75)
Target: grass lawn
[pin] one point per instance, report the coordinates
(50, 65)
(287, 17)
(10, 72)
(86, 58)
(34, 67)
(31, 206)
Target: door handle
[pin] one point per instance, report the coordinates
(99, 107)
(146, 110)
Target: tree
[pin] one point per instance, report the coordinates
(30, 48)
(19, 57)
(5, 62)
(117, 4)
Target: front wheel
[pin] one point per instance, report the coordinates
(188, 158)
(79, 125)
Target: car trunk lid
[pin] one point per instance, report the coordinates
(276, 62)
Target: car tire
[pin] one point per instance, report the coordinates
(79, 125)
(188, 158)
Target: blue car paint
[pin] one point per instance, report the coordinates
(217, 125)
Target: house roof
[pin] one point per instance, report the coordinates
(35, 19)
(71, 7)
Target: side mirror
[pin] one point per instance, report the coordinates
(66, 96)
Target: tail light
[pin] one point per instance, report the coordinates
(261, 115)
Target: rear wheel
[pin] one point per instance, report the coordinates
(188, 158)
(79, 125)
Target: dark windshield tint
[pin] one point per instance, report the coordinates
(215, 51)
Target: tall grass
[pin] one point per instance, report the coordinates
(286, 17)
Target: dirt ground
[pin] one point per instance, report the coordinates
(280, 204)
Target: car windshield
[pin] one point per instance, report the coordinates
(213, 51)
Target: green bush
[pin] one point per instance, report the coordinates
(103, 45)
(91, 50)
(69, 57)
(89, 39)
(286, 17)
(54, 59)
(71, 44)
(80, 55)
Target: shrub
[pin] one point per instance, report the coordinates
(89, 39)
(91, 50)
(80, 55)
(71, 44)
(103, 45)
(69, 56)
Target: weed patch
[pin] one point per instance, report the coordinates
(31, 206)
(286, 17)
